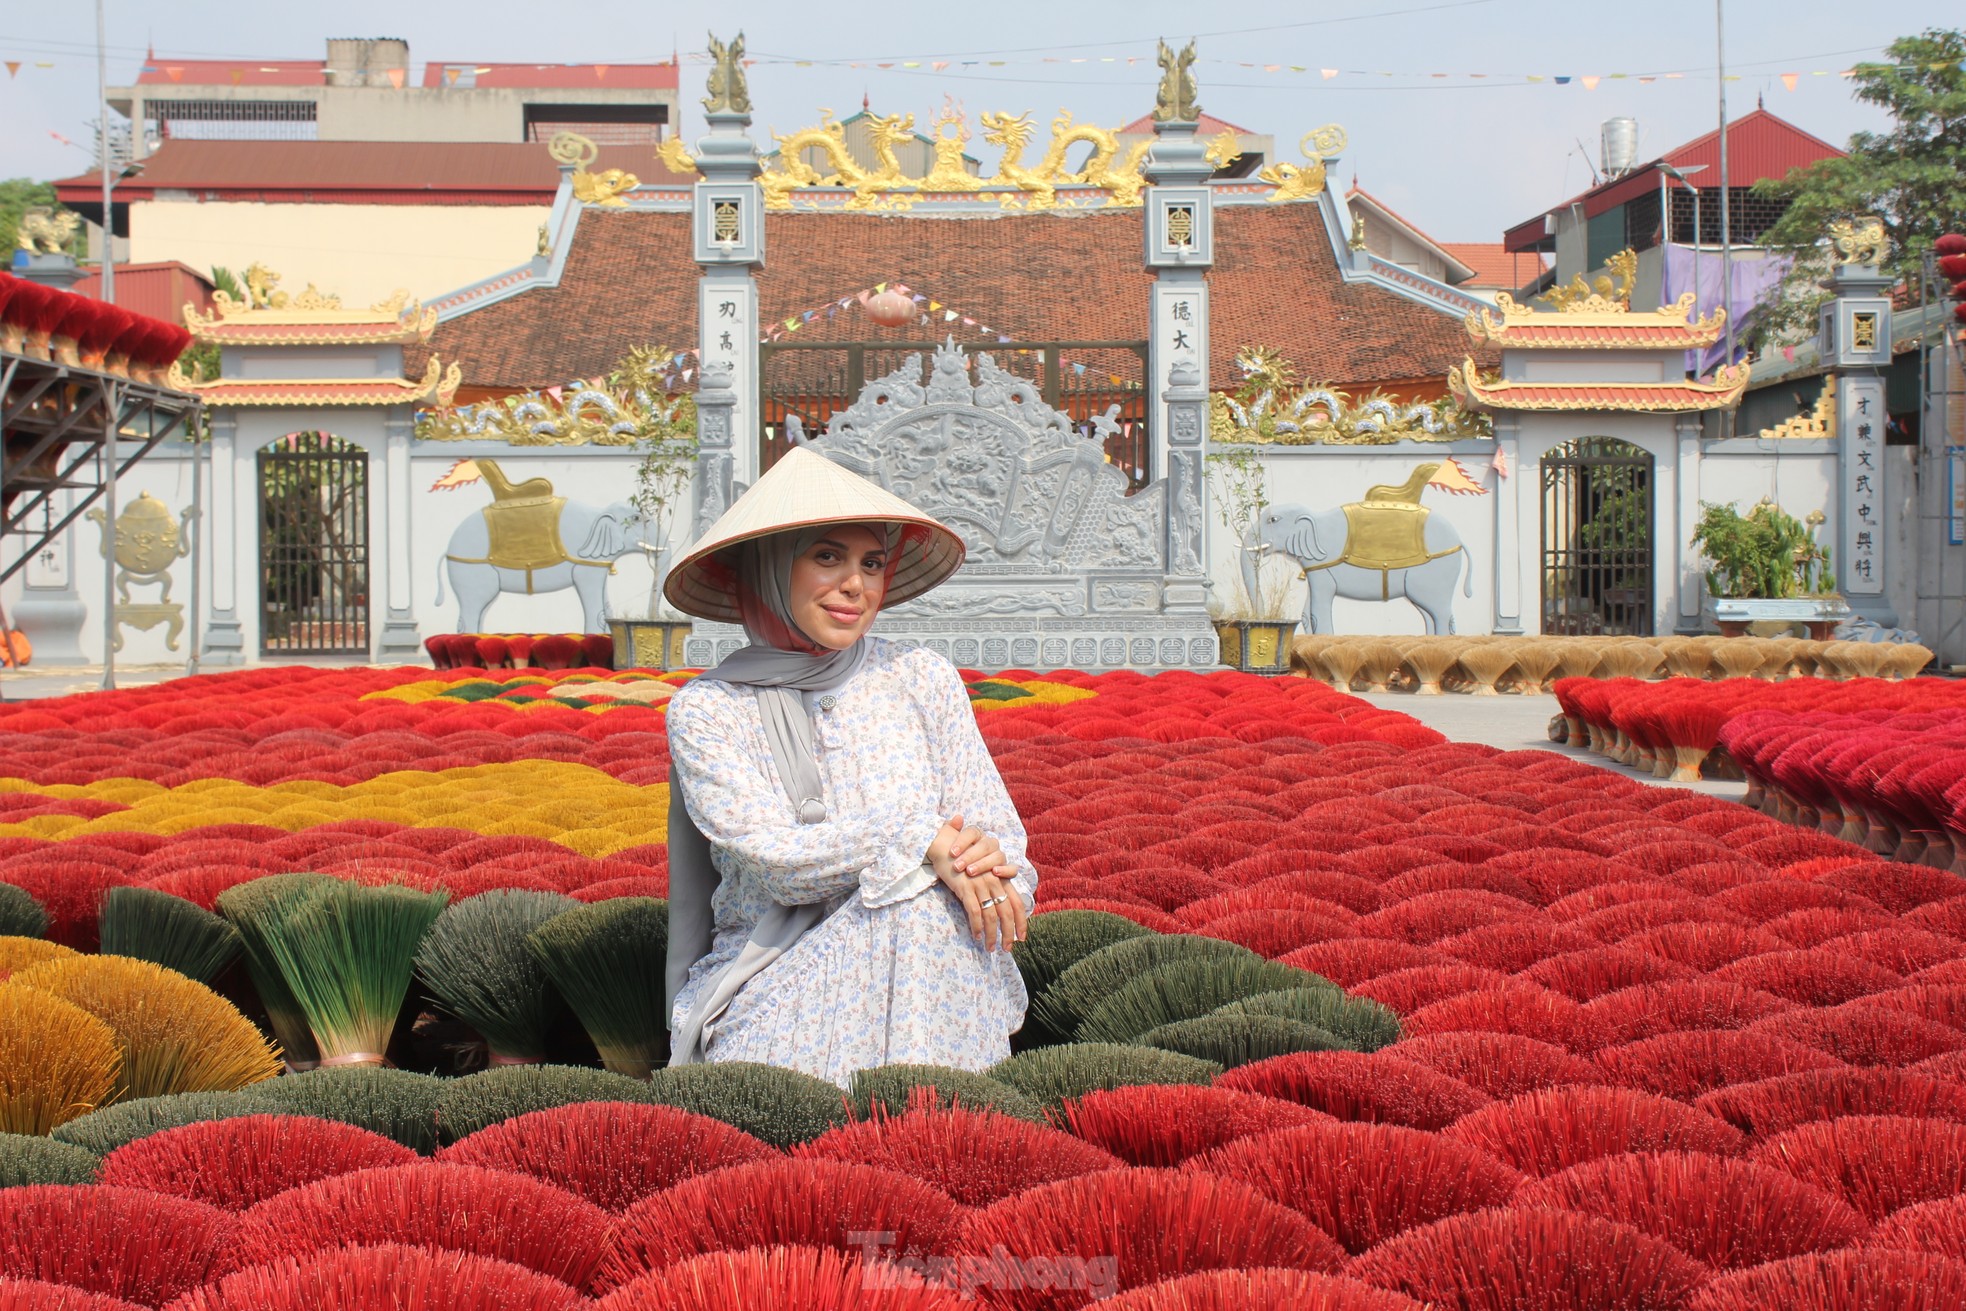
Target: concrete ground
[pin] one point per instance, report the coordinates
(37, 682)
(1515, 723)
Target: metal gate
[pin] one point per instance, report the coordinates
(313, 546)
(816, 379)
(1597, 538)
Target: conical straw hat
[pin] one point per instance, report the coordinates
(802, 490)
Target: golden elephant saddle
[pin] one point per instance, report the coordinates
(523, 524)
(1388, 529)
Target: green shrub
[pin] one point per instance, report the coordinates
(21, 916)
(779, 1106)
(25, 1159)
(1054, 1075)
(1183, 990)
(475, 961)
(1081, 988)
(102, 1132)
(1060, 939)
(394, 1103)
(1359, 1022)
(494, 1096)
(1232, 1040)
(888, 1086)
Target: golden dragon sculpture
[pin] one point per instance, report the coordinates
(1036, 188)
(870, 186)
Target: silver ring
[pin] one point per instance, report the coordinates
(993, 901)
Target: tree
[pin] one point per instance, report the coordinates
(1913, 176)
(17, 196)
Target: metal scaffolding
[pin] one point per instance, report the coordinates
(64, 426)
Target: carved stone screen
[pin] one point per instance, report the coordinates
(1064, 568)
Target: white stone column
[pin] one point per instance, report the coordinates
(1507, 561)
(399, 641)
(1690, 581)
(234, 534)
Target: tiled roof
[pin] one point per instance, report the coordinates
(1495, 265)
(323, 391)
(363, 172)
(630, 281)
(1722, 391)
(1670, 327)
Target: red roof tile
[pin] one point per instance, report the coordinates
(1723, 391)
(1495, 265)
(361, 172)
(1210, 126)
(630, 281)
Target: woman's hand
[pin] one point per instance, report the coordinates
(983, 876)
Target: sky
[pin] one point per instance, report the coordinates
(1461, 156)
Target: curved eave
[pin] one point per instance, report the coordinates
(1670, 327)
(314, 391)
(355, 334)
(1685, 396)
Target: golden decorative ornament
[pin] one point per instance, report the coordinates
(572, 148)
(47, 230)
(1224, 149)
(675, 156)
(728, 93)
(1609, 292)
(633, 404)
(1306, 182)
(1175, 99)
(1860, 240)
(1819, 423)
(604, 188)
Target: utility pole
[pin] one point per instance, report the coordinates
(1726, 193)
(102, 143)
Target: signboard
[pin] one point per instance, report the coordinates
(1861, 416)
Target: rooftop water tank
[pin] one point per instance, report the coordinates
(1620, 146)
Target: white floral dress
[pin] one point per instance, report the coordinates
(892, 973)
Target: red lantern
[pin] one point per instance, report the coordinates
(891, 309)
(1952, 243)
(1953, 267)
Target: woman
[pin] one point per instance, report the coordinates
(847, 873)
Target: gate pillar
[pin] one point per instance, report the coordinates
(225, 636)
(1854, 335)
(399, 641)
(1180, 248)
(728, 236)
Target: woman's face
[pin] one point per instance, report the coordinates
(837, 586)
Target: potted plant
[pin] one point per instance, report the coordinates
(1251, 630)
(1767, 565)
(662, 482)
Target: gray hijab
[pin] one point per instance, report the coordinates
(780, 674)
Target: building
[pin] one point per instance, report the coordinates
(160, 290)
(1673, 200)
(1479, 268)
(363, 217)
(367, 90)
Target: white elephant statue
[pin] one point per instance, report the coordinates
(1373, 550)
(528, 555)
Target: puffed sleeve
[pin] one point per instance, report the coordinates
(740, 808)
(971, 785)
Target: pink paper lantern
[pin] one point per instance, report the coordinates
(891, 309)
